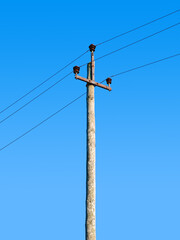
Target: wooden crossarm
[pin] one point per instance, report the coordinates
(93, 82)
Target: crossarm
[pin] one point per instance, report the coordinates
(93, 82)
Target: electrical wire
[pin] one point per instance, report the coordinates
(136, 28)
(26, 104)
(42, 122)
(33, 99)
(39, 85)
(70, 103)
(140, 40)
(133, 43)
(142, 66)
(126, 46)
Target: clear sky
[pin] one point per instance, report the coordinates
(42, 176)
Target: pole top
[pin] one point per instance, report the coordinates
(76, 69)
(109, 81)
(92, 47)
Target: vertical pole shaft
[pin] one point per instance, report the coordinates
(90, 179)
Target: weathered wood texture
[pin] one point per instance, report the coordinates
(91, 161)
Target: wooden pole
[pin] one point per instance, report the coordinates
(91, 178)
(91, 144)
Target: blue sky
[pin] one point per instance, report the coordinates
(42, 176)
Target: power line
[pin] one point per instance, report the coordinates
(136, 28)
(33, 99)
(39, 85)
(67, 105)
(26, 104)
(96, 59)
(126, 46)
(145, 65)
(133, 43)
(42, 122)
(140, 40)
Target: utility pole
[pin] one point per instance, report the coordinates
(91, 145)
